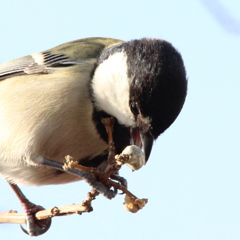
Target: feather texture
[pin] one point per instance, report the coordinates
(46, 110)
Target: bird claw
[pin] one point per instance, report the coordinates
(120, 179)
(103, 189)
(36, 227)
(110, 193)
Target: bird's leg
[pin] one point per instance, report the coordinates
(35, 227)
(89, 177)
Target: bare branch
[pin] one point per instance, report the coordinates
(20, 218)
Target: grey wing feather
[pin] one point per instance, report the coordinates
(15, 67)
(67, 54)
(40, 63)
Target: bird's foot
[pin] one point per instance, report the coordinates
(106, 191)
(35, 227)
(120, 179)
(90, 177)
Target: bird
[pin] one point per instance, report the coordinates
(53, 102)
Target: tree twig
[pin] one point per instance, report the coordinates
(20, 218)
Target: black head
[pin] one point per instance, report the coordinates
(153, 72)
(158, 88)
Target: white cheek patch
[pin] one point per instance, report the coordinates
(111, 88)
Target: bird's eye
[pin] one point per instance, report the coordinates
(134, 108)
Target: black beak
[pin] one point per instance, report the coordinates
(147, 140)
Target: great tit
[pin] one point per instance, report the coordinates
(52, 104)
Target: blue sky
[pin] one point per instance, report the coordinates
(192, 178)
